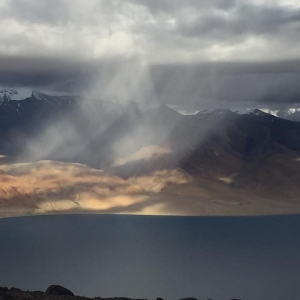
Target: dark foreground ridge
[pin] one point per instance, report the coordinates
(56, 292)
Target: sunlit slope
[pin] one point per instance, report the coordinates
(50, 187)
(54, 187)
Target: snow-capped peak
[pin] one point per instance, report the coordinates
(6, 95)
(41, 96)
(37, 95)
(11, 94)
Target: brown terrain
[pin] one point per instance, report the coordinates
(51, 187)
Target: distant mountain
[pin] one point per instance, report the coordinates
(289, 113)
(34, 104)
(41, 117)
(292, 114)
(213, 162)
(38, 105)
(6, 95)
(227, 155)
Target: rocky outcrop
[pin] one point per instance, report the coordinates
(58, 291)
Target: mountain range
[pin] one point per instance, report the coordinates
(72, 154)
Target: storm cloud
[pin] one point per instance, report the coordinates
(222, 52)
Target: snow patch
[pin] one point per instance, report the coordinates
(6, 95)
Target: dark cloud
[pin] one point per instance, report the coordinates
(59, 74)
(208, 85)
(220, 52)
(244, 21)
(45, 72)
(167, 6)
(32, 11)
(213, 85)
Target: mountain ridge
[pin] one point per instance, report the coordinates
(212, 160)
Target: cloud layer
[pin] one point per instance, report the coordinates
(65, 45)
(161, 31)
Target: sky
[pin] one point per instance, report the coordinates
(208, 53)
(149, 257)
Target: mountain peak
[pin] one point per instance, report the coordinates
(216, 113)
(260, 113)
(6, 95)
(164, 110)
(37, 94)
(40, 96)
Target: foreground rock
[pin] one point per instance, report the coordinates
(56, 292)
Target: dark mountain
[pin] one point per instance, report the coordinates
(60, 127)
(219, 141)
(96, 132)
(36, 107)
(256, 153)
(227, 154)
(292, 114)
(25, 119)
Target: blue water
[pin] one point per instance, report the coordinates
(149, 257)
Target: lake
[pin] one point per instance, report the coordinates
(137, 256)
